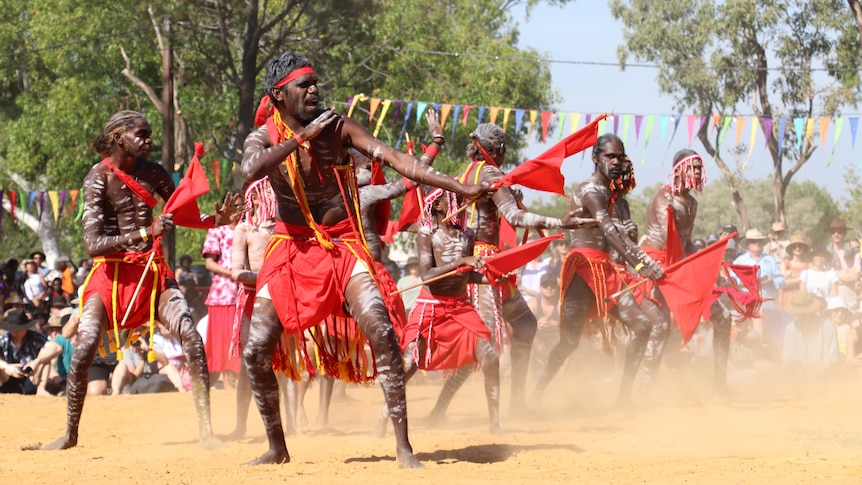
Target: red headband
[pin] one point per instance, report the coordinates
(263, 108)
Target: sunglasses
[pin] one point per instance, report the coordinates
(839, 231)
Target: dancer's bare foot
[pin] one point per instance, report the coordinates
(63, 443)
(271, 457)
(236, 434)
(406, 459)
(210, 442)
(496, 430)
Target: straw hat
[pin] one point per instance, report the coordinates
(804, 303)
(797, 240)
(778, 226)
(754, 235)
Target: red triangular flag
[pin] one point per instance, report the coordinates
(687, 286)
(543, 172)
(673, 246)
(499, 264)
(183, 203)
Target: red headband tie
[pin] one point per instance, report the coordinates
(263, 108)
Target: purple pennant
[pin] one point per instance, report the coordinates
(62, 201)
(616, 124)
(854, 125)
(396, 113)
(41, 204)
(638, 120)
(767, 130)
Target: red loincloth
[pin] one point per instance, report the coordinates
(114, 278)
(603, 277)
(306, 283)
(450, 326)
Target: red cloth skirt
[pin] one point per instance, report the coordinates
(114, 278)
(218, 341)
(601, 275)
(450, 326)
(306, 282)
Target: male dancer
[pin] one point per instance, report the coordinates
(444, 331)
(119, 232)
(317, 265)
(687, 176)
(588, 278)
(499, 301)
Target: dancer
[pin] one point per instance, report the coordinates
(317, 264)
(499, 303)
(589, 278)
(119, 231)
(444, 331)
(688, 175)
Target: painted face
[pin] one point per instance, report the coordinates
(691, 171)
(610, 160)
(301, 96)
(137, 140)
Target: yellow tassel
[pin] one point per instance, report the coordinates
(119, 355)
(151, 356)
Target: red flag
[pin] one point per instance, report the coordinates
(411, 208)
(673, 249)
(543, 172)
(497, 265)
(183, 203)
(382, 209)
(688, 283)
(12, 195)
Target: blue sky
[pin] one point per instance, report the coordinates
(586, 31)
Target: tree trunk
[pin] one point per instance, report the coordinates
(43, 226)
(856, 8)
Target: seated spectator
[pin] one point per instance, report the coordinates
(67, 274)
(841, 316)
(18, 348)
(136, 375)
(101, 373)
(15, 302)
(171, 358)
(51, 366)
(811, 341)
(57, 296)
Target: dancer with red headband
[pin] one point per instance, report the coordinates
(589, 277)
(119, 233)
(318, 265)
(688, 176)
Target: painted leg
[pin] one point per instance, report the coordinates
(366, 306)
(576, 303)
(490, 364)
(450, 387)
(243, 388)
(721, 325)
(524, 325)
(323, 401)
(640, 327)
(174, 310)
(89, 338)
(410, 370)
(264, 333)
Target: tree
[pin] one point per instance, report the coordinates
(791, 59)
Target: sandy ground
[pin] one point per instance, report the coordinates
(768, 432)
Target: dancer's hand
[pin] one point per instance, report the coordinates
(163, 225)
(231, 210)
(314, 128)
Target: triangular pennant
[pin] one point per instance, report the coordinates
(356, 99)
(562, 123)
(386, 104)
(715, 119)
(456, 111)
(216, 166)
(396, 112)
(576, 118)
(54, 200)
(797, 128)
(62, 201)
(533, 115)
(767, 131)
(854, 124)
(12, 201)
(724, 128)
(481, 115)
(638, 120)
(627, 119)
(740, 124)
(751, 140)
(546, 118)
(809, 130)
(493, 115)
(466, 114)
(420, 110)
(375, 103)
(616, 124)
(824, 127)
(506, 113)
(519, 120)
(662, 126)
(73, 197)
(445, 109)
(407, 113)
(690, 120)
